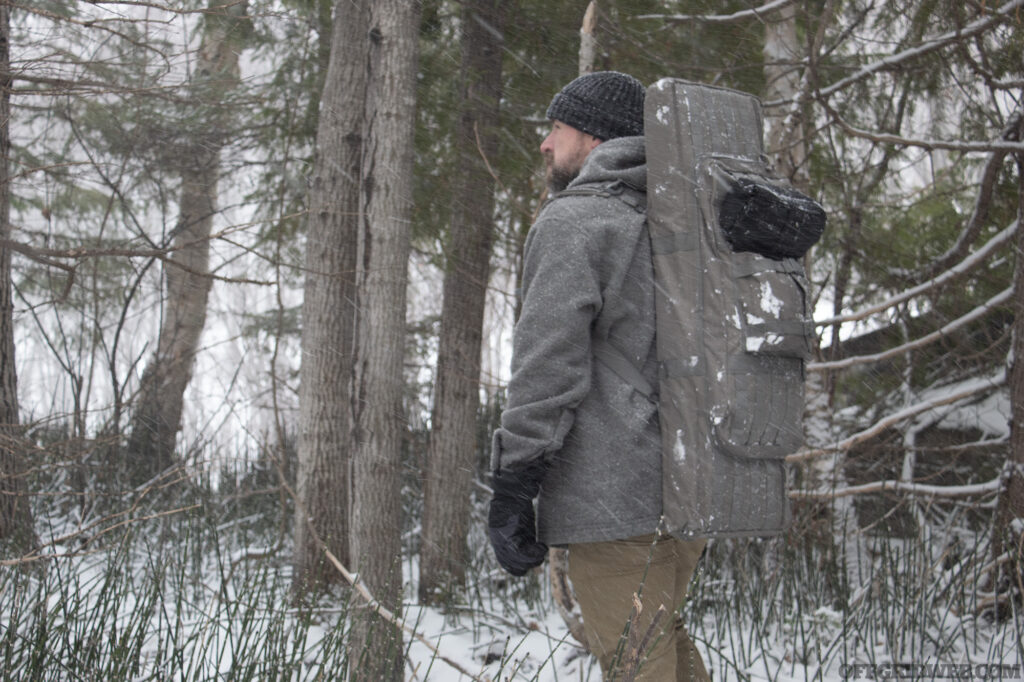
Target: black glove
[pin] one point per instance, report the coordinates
(511, 523)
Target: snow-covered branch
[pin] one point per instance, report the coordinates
(961, 268)
(967, 390)
(979, 312)
(893, 61)
(986, 488)
(755, 13)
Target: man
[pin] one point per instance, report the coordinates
(575, 433)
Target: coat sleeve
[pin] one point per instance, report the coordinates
(551, 348)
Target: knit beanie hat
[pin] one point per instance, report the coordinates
(605, 104)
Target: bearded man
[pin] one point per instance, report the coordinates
(575, 435)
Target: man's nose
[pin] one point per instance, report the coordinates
(545, 145)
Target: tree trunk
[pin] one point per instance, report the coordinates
(452, 448)
(328, 310)
(378, 421)
(588, 39)
(784, 128)
(157, 416)
(1009, 536)
(16, 527)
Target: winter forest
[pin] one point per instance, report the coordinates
(258, 284)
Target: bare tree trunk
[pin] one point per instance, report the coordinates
(16, 527)
(328, 309)
(378, 419)
(1009, 536)
(157, 416)
(450, 454)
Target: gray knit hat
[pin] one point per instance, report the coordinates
(605, 104)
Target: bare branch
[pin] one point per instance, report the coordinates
(1001, 146)
(107, 524)
(561, 594)
(979, 312)
(49, 256)
(986, 488)
(743, 15)
(989, 177)
(962, 268)
(928, 46)
(97, 24)
(588, 41)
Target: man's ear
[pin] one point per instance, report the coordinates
(592, 142)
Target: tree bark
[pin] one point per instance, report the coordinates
(157, 415)
(784, 124)
(328, 309)
(588, 39)
(16, 524)
(1009, 537)
(453, 435)
(381, 272)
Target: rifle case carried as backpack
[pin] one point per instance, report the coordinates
(733, 326)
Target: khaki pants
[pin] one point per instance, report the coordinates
(605, 575)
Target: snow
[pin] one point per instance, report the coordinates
(679, 449)
(504, 628)
(770, 303)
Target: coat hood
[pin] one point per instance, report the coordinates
(623, 158)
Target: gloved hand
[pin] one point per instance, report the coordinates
(511, 522)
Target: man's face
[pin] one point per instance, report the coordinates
(564, 150)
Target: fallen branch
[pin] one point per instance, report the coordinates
(561, 594)
(370, 600)
(38, 555)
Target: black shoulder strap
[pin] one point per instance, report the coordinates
(612, 358)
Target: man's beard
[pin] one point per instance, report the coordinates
(558, 178)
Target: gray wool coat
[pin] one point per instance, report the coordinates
(587, 276)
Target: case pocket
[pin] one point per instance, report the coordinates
(771, 303)
(757, 212)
